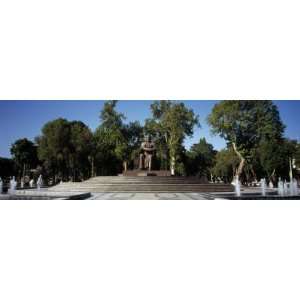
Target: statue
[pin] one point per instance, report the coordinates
(148, 148)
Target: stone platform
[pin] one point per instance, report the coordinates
(143, 184)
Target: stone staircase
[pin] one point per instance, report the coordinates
(151, 184)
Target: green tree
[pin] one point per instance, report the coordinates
(24, 154)
(81, 143)
(111, 140)
(7, 168)
(290, 153)
(153, 128)
(54, 148)
(297, 156)
(109, 117)
(277, 159)
(226, 163)
(65, 148)
(270, 159)
(173, 122)
(246, 124)
(129, 149)
(106, 162)
(201, 159)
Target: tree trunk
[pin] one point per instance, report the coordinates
(242, 161)
(272, 177)
(172, 152)
(92, 167)
(253, 173)
(247, 178)
(172, 165)
(291, 170)
(24, 170)
(125, 165)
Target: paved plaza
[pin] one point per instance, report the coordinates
(48, 194)
(151, 196)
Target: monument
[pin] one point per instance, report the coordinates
(148, 148)
(144, 178)
(145, 161)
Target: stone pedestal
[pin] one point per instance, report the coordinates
(143, 173)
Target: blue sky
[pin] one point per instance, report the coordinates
(19, 119)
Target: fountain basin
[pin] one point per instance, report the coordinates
(257, 196)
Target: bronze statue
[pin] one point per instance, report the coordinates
(148, 148)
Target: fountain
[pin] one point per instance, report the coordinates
(39, 182)
(285, 188)
(291, 188)
(31, 182)
(280, 188)
(263, 186)
(288, 188)
(1, 185)
(271, 185)
(12, 186)
(294, 186)
(237, 186)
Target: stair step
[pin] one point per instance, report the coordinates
(143, 184)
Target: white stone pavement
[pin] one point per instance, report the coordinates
(149, 196)
(45, 194)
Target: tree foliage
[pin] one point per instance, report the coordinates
(7, 168)
(253, 130)
(226, 163)
(201, 159)
(115, 141)
(246, 125)
(109, 117)
(172, 122)
(64, 148)
(24, 155)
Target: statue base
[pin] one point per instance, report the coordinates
(141, 173)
